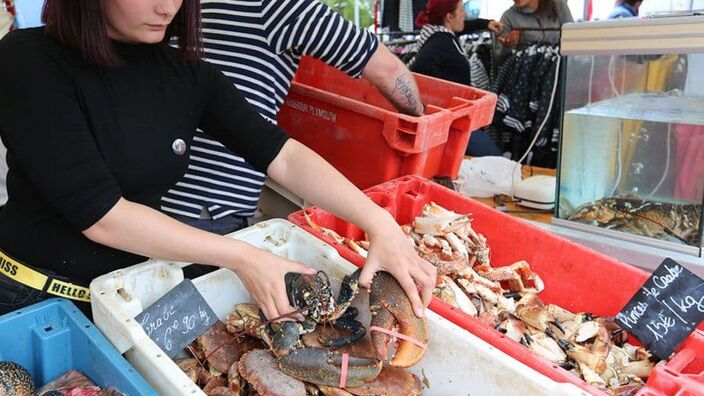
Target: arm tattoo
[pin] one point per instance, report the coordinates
(402, 86)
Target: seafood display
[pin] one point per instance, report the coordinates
(328, 353)
(15, 380)
(506, 298)
(632, 214)
(74, 383)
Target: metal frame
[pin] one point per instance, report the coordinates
(624, 236)
(634, 36)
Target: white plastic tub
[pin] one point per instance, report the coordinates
(456, 362)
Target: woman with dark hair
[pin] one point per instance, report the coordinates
(534, 14)
(441, 55)
(97, 113)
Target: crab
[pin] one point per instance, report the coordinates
(631, 213)
(313, 297)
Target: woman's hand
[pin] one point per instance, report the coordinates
(391, 251)
(263, 276)
(496, 26)
(511, 39)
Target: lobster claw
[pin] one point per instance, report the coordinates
(392, 310)
(324, 367)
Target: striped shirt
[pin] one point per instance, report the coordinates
(258, 45)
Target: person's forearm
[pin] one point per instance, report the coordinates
(310, 177)
(394, 81)
(142, 230)
(472, 25)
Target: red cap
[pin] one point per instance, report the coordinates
(435, 11)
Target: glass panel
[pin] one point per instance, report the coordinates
(632, 156)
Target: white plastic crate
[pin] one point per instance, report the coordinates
(456, 362)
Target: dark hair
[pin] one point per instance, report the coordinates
(548, 8)
(631, 3)
(81, 24)
(435, 12)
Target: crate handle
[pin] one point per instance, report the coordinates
(435, 109)
(401, 132)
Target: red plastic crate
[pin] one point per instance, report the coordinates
(576, 278)
(350, 124)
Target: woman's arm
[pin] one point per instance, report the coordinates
(472, 25)
(230, 119)
(141, 230)
(360, 53)
(394, 81)
(309, 176)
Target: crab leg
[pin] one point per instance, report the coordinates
(347, 321)
(348, 291)
(322, 366)
(356, 248)
(584, 355)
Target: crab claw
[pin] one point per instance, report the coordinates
(324, 367)
(391, 309)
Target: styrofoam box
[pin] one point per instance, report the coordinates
(456, 362)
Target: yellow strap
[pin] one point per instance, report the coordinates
(21, 273)
(35, 279)
(68, 290)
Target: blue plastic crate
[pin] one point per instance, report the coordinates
(53, 336)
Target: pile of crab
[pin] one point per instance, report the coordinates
(326, 354)
(506, 298)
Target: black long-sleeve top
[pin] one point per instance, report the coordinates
(441, 54)
(79, 136)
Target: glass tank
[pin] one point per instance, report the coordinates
(632, 144)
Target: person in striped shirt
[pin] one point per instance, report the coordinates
(258, 46)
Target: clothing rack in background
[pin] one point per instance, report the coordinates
(524, 86)
(478, 47)
(400, 43)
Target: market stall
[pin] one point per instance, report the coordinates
(587, 279)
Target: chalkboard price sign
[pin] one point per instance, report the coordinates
(666, 309)
(177, 318)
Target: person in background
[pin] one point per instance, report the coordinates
(258, 46)
(98, 113)
(626, 9)
(534, 14)
(441, 55)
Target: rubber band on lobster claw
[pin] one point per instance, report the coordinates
(396, 334)
(343, 370)
(393, 316)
